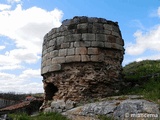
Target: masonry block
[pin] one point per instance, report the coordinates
(71, 51)
(52, 42)
(44, 70)
(65, 45)
(54, 53)
(82, 27)
(82, 44)
(93, 51)
(97, 44)
(107, 44)
(88, 36)
(73, 37)
(115, 34)
(107, 27)
(101, 37)
(73, 58)
(58, 60)
(120, 41)
(81, 51)
(54, 67)
(60, 40)
(62, 52)
(85, 58)
(48, 62)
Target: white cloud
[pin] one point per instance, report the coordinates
(4, 7)
(145, 41)
(30, 73)
(2, 47)
(13, 83)
(13, 1)
(26, 28)
(10, 67)
(151, 57)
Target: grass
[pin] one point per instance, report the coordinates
(41, 116)
(147, 75)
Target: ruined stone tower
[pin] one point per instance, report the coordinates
(82, 59)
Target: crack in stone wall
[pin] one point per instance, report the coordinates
(82, 59)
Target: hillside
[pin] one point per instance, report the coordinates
(143, 78)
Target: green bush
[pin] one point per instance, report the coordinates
(145, 73)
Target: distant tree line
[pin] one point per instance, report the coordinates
(13, 96)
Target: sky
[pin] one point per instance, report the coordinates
(23, 24)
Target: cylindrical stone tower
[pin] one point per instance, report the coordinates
(82, 59)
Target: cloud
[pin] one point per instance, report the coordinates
(4, 7)
(25, 29)
(20, 83)
(151, 57)
(30, 73)
(2, 47)
(145, 41)
(146, 44)
(13, 1)
(10, 67)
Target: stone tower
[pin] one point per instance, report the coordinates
(82, 59)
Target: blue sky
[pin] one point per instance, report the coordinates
(23, 23)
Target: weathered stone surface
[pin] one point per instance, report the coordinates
(54, 53)
(70, 51)
(54, 67)
(58, 60)
(62, 52)
(74, 58)
(85, 58)
(88, 36)
(97, 43)
(65, 45)
(101, 37)
(93, 51)
(73, 37)
(128, 109)
(81, 50)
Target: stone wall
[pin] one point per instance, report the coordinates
(82, 59)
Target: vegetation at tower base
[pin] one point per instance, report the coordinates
(143, 78)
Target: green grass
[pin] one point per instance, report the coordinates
(147, 75)
(41, 116)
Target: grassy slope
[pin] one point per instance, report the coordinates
(147, 75)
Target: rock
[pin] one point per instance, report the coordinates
(69, 104)
(48, 109)
(118, 109)
(59, 104)
(62, 106)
